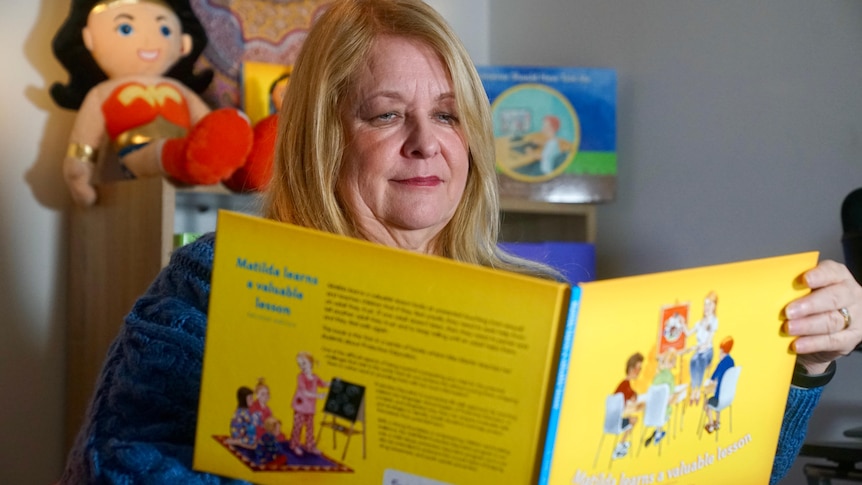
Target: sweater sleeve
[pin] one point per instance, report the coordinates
(800, 404)
(140, 425)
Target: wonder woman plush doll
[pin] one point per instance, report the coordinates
(131, 79)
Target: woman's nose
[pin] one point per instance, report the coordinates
(422, 141)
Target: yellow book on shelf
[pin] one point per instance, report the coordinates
(331, 360)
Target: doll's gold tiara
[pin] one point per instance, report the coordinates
(103, 5)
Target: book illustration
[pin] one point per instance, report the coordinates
(344, 413)
(682, 388)
(670, 389)
(536, 132)
(263, 85)
(256, 435)
(554, 131)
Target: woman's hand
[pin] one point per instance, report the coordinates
(823, 332)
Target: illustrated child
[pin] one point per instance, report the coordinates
(260, 406)
(725, 362)
(244, 423)
(633, 370)
(131, 79)
(551, 149)
(704, 331)
(269, 448)
(664, 376)
(304, 404)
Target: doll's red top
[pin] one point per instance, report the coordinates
(133, 105)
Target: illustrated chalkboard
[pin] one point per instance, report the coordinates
(344, 399)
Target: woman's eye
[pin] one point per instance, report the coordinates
(447, 118)
(165, 30)
(125, 29)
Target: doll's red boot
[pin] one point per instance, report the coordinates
(215, 147)
(255, 174)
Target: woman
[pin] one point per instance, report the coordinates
(304, 404)
(385, 135)
(704, 331)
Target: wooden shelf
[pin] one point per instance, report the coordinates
(532, 221)
(117, 248)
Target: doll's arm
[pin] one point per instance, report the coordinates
(197, 107)
(79, 164)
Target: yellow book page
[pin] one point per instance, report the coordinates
(260, 82)
(403, 368)
(666, 318)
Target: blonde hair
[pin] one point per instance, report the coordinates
(311, 142)
(307, 356)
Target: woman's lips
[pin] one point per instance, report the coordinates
(420, 181)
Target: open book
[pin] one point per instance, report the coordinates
(331, 360)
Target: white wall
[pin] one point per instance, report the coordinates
(469, 19)
(740, 131)
(32, 236)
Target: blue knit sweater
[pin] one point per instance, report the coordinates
(140, 427)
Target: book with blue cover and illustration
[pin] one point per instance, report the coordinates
(331, 360)
(555, 132)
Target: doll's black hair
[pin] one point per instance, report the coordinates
(84, 73)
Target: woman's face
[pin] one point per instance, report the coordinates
(406, 161)
(135, 39)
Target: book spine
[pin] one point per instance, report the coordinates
(560, 384)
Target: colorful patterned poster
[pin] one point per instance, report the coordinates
(270, 31)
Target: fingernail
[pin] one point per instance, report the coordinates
(799, 349)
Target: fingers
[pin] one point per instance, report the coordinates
(826, 273)
(824, 319)
(833, 287)
(824, 323)
(827, 334)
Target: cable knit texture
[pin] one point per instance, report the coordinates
(800, 405)
(140, 426)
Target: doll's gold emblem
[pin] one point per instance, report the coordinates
(153, 95)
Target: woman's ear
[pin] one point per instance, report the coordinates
(88, 38)
(187, 45)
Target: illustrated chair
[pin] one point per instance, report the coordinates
(655, 412)
(614, 405)
(726, 394)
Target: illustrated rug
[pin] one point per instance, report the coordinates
(284, 461)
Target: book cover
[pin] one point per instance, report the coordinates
(333, 360)
(262, 87)
(692, 329)
(555, 132)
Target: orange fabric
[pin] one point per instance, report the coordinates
(134, 104)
